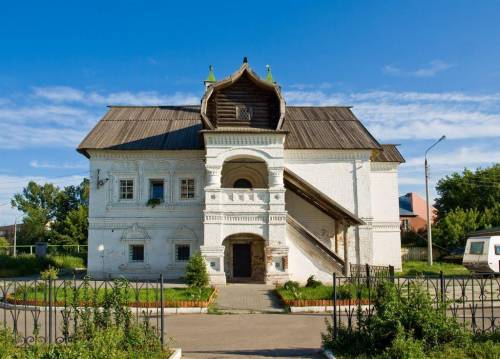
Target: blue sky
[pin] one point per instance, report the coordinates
(413, 70)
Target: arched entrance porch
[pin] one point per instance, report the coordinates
(244, 258)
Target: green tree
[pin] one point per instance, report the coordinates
(451, 231)
(50, 212)
(39, 204)
(478, 189)
(74, 228)
(196, 272)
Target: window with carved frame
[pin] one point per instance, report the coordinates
(244, 113)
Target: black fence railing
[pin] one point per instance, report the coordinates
(473, 300)
(51, 311)
(366, 270)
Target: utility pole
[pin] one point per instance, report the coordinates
(429, 223)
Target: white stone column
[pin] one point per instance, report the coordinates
(275, 177)
(213, 176)
(276, 265)
(214, 258)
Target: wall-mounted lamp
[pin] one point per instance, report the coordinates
(101, 182)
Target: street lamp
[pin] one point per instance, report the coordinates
(100, 249)
(429, 231)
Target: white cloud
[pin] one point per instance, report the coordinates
(48, 165)
(459, 158)
(60, 116)
(22, 136)
(59, 93)
(10, 185)
(429, 70)
(69, 94)
(414, 115)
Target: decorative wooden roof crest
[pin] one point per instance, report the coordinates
(244, 68)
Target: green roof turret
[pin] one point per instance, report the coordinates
(211, 75)
(269, 75)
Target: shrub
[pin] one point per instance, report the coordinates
(107, 332)
(153, 202)
(196, 272)
(49, 273)
(400, 327)
(313, 283)
(4, 245)
(26, 264)
(67, 261)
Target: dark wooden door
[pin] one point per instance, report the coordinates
(242, 260)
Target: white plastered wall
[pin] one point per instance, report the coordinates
(385, 205)
(116, 223)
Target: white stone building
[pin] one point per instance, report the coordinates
(267, 192)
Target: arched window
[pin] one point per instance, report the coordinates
(242, 183)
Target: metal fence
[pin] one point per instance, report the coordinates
(366, 270)
(75, 249)
(51, 311)
(473, 301)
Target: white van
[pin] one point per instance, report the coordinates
(482, 251)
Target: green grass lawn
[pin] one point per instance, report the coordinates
(26, 264)
(325, 292)
(412, 268)
(144, 295)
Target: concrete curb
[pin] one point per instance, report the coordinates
(322, 309)
(167, 310)
(177, 353)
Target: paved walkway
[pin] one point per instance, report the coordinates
(247, 335)
(248, 298)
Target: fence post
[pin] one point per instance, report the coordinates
(334, 294)
(367, 266)
(442, 287)
(50, 310)
(162, 320)
(391, 273)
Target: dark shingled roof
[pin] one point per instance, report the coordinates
(146, 128)
(178, 128)
(389, 153)
(325, 128)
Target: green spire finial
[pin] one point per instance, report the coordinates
(269, 75)
(211, 75)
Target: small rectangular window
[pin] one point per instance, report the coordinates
(136, 253)
(476, 247)
(497, 250)
(156, 190)
(127, 189)
(182, 252)
(244, 113)
(187, 189)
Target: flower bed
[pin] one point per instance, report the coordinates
(141, 298)
(322, 296)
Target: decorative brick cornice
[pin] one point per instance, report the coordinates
(147, 154)
(384, 166)
(243, 139)
(326, 155)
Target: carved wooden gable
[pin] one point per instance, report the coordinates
(244, 103)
